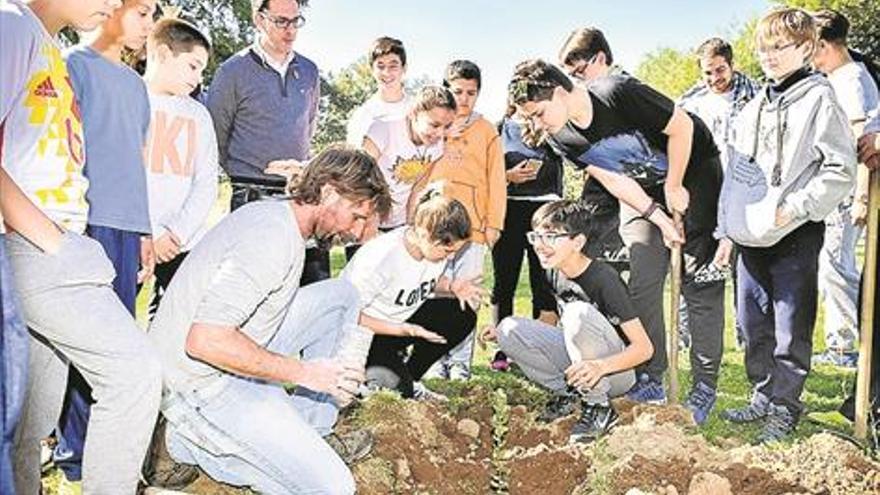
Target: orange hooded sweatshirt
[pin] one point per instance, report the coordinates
(472, 171)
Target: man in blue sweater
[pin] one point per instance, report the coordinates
(264, 103)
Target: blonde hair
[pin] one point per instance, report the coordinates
(445, 219)
(789, 24)
(430, 97)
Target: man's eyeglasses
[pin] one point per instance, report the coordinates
(546, 238)
(579, 71)
(283, 23)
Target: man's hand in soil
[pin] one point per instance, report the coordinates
(412, 330)
(585, 374)
(338, 379)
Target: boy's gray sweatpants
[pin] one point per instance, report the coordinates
(544, 352)
(74, 317)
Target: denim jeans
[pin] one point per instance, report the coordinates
(544, 352)
(839, 279)
(13, 362)
(74, 316)
(253, 433)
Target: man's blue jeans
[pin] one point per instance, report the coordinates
(251, 433)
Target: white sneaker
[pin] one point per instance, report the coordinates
(459, 371)
(423, 393)
(46, 454)
(438, 370)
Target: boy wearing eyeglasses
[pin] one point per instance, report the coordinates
(792, 162)
(645, 151)
(586, 360)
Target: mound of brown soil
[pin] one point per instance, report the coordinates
(822, 463)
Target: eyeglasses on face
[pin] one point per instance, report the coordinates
(776, 48)
(282, 22)
(546, 238)
(579, 71)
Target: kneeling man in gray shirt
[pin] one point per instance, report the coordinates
(234, 327)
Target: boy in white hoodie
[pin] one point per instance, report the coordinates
(181, 152)
(792, 162)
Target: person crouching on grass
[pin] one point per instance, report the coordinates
(586, 360)
(396, 275)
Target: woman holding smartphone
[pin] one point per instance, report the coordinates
(534, 178)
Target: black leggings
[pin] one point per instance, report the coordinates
(507, 255)
(387, 363)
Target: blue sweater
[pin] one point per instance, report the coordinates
(115, 111)
(260, 117)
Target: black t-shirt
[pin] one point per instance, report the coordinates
(626, 134)
(599, 285)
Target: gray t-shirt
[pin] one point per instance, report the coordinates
(243, 273)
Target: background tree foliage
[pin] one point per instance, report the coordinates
(863, 16)
(227, 21)
(669, 71)
(341, 93)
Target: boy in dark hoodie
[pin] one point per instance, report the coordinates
(791, 164)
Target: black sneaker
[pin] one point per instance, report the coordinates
(756, 410)
(596, 420)
(558, 406)
(780, 424)
(352, 446)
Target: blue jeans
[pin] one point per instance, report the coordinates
(14, 362)
(248, 432)
(123, 248)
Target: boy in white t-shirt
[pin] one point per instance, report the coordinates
(62, 278)
(395, 275)
(838, 270)
(181, 153)
(390, 101)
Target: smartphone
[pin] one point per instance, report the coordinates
(534, 164)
